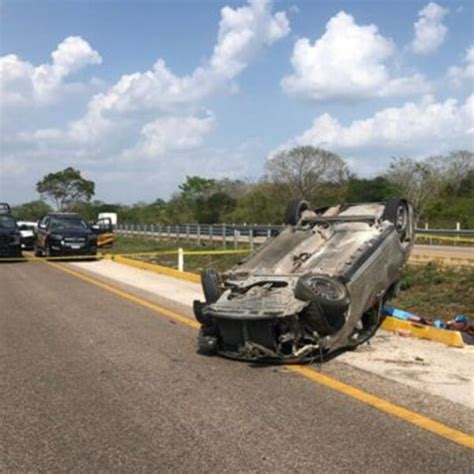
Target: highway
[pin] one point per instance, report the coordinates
(102, 377)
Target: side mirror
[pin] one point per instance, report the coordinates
(95, 226)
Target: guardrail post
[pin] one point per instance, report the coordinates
(224, 236)
(236, 238)
(210, 233)
(176, 230)
(187, 232)
(199, 234)
(169, 231)
(152, 226)
(251, 239)
(180, 260)
(269, 233)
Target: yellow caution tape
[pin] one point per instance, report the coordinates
(445, 237)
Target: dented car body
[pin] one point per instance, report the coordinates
(317, 287)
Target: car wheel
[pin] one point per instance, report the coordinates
(327, 291)
(396, 211)
(323, 322)
(329, 300)
(295, 209)
(210, 285)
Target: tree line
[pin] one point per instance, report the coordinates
(440, 187)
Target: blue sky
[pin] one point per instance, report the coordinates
(240, 81)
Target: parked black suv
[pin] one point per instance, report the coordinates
(10, 238)
(61, 234)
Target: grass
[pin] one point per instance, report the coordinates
(437, 292)
(427, 290)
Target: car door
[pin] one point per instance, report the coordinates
(42, 232)
(103, 228)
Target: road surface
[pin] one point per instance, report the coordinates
(93, 380)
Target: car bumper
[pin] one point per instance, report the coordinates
(257, 340)
(59, 250)
(28, 243)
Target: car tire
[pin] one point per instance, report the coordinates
(323, 322)
(327, 291)
(397, 212)
(210, 285)
(328, 302)
(294, 210)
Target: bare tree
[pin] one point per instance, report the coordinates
(455, 167)
(419, 181)
(305, 169)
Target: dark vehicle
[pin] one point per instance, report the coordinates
(318, 287)
(63, 234)
(10, 239)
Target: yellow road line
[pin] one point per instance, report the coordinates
(409, 416)
(135, 299)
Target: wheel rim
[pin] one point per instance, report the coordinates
(325, 288)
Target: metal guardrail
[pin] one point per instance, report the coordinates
(246, 233)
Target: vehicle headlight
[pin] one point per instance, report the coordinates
(57, 237)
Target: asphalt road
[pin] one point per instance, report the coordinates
(90, 381)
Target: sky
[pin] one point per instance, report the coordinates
(139, 94)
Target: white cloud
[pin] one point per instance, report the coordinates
(167, 134)
(347, 63)
(155, 115)
(430, 32)
(23, 84)
(242, 32)
(458, 74)
(428, 127)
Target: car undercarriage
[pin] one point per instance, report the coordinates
(317, 287)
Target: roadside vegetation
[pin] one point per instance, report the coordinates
(440, 187)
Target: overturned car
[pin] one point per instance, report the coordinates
(317, 287)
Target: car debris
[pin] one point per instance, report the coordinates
(460, 322)
(317, 287)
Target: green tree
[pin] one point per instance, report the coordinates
(31, 211)
(263, 203)
(370, 190)
(196, 187)
(66, 189)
